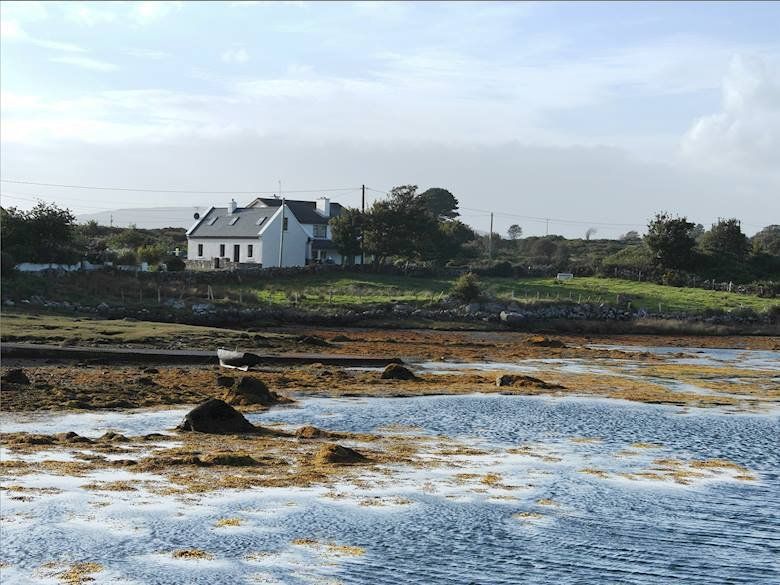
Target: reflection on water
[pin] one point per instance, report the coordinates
(593, 530)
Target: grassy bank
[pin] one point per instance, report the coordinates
(80, 331)
(351, 290)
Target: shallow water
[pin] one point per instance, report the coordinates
(600, 530)
(758, 359)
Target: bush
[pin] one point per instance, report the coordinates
(174, 264)
(674, 278)
(127, 258)
(467, 288)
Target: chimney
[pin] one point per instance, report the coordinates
(323, 206)
(231, 206)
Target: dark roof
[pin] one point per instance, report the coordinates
(305, 211)
(319, 244)
(246, 225)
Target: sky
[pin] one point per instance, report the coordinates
(587, 114)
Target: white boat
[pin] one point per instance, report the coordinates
(233, 359)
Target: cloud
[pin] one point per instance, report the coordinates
(11, 31)
(24, 11)
(147, 54)
(86, 13)
(85, 63)
(746, 132)
(144, 13)
(234, 56)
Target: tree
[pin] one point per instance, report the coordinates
(767, 240)
(399, 226)
(130, 237)
(589, 232)
(630, 236)
(545, 248)
(441, 203)
(725, 238)
(44, 234)
(90, 229)
(671, 240)
(515, 232)
(152, 253)
(447, 241)
(347, 230)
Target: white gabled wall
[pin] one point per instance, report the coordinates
(296, 241)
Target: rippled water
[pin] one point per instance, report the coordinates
(601, 530)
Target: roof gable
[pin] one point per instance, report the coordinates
(305, 211)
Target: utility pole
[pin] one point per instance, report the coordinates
(281, 229)
(111, 220)
(547, 226)
(490, 238)
(362, 210)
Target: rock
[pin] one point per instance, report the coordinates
(311, 432)
(525, 381)
(216, 417)
(397, 372)
(229, 458)
(542, 341)
(333, 453)
(15, 376)
(71, 437)
(202, 307)
(250, 391)
(112, 437)
(340, 338)
(511, 317)
(28, 439)
(151, 371)
(9, 303)
(146, 381)
(225, 381)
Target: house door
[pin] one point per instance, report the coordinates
(236, 252)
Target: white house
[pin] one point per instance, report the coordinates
(255, 233)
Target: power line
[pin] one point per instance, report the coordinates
(183, 191)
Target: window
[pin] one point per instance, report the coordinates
(284, 225)
(213, 220)
(222, 250)
(250, 250)
(261, 220)
(200, 249)
(320, 230)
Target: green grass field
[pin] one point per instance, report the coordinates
(352, 290)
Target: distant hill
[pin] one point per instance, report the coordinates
(145, 217)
